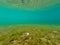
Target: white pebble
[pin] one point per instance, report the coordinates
(27, 34)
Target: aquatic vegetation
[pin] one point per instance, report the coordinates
(31, 35)
(29, 4)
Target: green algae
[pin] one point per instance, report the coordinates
(38, 35)
(29, 4)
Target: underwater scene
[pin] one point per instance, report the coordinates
(29, 22)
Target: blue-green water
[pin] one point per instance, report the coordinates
(15, 16)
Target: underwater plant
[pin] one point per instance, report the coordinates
(31, 35)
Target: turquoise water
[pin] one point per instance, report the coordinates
(14, 16)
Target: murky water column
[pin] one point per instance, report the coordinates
(29, 4)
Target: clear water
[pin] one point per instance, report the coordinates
(15, 16)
